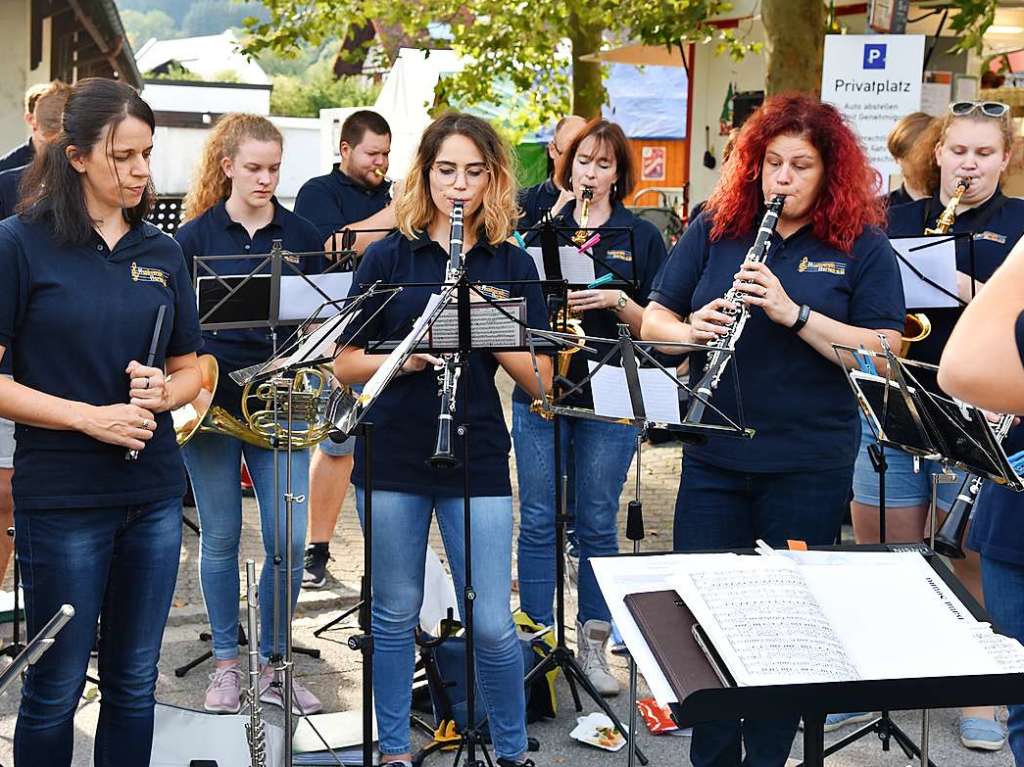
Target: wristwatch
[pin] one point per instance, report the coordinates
(621, 303)
(801, 318)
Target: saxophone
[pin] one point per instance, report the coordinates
(916, 325)
(723, 346)
(581, 234)
(254, 730)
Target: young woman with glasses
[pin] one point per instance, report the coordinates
(460, 159)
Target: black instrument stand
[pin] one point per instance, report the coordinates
(907, 416)
(630, 352)
(16, 646)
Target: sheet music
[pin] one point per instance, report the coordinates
(577, 268)
(299, 299)
(936, 261)
(395, 360)
(763, 619)
(611, 393)
(490, 325)
(1006, 652)
(887, 609)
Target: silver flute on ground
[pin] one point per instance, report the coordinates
(723, 346)
(448, 380)
(254, 729)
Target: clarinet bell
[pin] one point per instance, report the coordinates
(950, 535)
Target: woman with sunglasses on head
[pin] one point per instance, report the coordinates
(596, 162)
(974, 146)
(460, 159)
(830, 278)
(83, 279)
(231, 210)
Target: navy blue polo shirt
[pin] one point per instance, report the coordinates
(405, 416)
(996, 528)
(215, 234)
(334, 201)
(638, 258)
(9, 181)
(797, 400)
(75, 316)
(22, 154)
(535, 201)
(997, 224)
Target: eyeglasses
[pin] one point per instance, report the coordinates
(447, 173)
(987, 108)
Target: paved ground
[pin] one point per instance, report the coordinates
(335, 677)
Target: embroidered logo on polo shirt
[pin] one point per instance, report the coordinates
(620, 255)
(498, 294)
(827, 267)
(148, 274)
(991, 237)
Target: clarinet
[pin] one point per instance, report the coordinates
(254, 730)
(723, 346)
(950, 536)
(448, 380)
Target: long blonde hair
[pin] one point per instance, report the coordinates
(209, 184)
(414, 210)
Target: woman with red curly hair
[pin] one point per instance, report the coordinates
(830, 277)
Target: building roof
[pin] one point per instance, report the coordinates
(208, 57)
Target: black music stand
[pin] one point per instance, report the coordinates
(703, 696)
(637, 359)
(254, 300)
(906, 415)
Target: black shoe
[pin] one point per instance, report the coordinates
(503, 762)
(315, 574)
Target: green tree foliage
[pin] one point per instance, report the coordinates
(306, 94)
(211, 17)
(513, 42)
(141, 26)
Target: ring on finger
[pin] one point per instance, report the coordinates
(147, 383)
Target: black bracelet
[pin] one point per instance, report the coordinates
(801, 318)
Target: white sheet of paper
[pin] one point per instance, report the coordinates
(619, 576)
(611, 395)
(937, 262)
(577, 269)
(299, 299)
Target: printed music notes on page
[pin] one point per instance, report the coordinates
(764, 621)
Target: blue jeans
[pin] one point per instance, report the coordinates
(118, 565)
(601, 455)
(213, 463)
(401, 523)
(722, 509)
(1003, 583)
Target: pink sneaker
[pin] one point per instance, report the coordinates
(303, 701)
(224, 695)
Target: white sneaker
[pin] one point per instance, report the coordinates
(591, 643)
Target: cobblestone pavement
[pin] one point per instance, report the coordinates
(335, 677)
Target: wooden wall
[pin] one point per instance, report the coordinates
(677, 167)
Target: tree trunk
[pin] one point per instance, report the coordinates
(795, 46)
(588, 94)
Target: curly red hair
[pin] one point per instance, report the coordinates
(848, 201)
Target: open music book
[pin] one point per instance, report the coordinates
(794, 618)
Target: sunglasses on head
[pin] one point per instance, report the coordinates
(987, 108)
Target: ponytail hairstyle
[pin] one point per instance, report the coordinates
(210, 185)
(51, 187)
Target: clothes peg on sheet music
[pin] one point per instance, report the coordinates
(864, 362)
(763, 548)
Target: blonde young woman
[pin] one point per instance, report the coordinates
(460, 158)
(231, 210)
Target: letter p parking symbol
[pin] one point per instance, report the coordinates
(874, 55)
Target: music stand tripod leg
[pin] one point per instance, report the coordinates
(635, 533)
